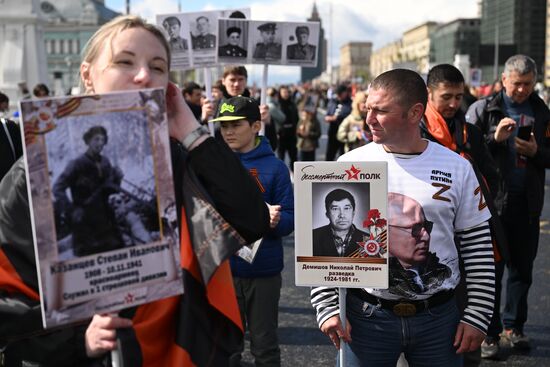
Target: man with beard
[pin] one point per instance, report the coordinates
(413, 268)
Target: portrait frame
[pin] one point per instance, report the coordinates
(367, 266)
(73, 288)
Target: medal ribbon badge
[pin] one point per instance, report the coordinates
(375, 244)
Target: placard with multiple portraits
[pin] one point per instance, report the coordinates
(267, 42)
(193, 37)
(104, 216)
(341, 234)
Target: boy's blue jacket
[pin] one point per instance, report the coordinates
(274, 182)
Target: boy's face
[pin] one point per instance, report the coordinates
(240, 135)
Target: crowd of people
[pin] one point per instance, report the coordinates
(450, 239)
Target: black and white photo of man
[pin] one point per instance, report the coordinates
(340, 237)
(172, 25)
(202, 38)
(301, 50)
(233, 48)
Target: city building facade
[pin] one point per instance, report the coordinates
(355, 61)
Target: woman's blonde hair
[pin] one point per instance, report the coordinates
(359, 98)
(105, 34)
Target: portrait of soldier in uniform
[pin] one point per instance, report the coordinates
(413, 268)
(91, 179)
(268, 49)
(340, 237)
(232, 48)
(172, 25)
(301, 50)
(203, 39)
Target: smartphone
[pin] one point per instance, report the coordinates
(524, 132)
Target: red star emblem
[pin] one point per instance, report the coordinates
(129, 298)
(353, 172)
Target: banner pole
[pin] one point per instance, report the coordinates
(208, 90)
(263, 95)
(342, 304)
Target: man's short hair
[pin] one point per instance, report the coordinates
(189, 87)
(235, 69)
(406, 86)
(338, 195)
(95, 130)
(521, 64)
(170, 20)
(444, 73)
(4, 98)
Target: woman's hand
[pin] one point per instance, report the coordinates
(181, 120)
(100, 336)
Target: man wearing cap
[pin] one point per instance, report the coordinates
(204, 39)
(258, 283)
(232, 49)
(301, 50)
(172, 25)
(268, 49)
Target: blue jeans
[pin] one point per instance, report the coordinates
(379, 336)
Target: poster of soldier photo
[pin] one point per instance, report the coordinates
(177, 33)
(201, 31)
(341, 224)
(233, 36)
(102, 199)
(266, 42)
(300, 43)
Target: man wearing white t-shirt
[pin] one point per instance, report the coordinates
(424, 325)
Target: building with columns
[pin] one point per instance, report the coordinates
(68, 25)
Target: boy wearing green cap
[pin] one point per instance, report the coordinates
(258, 284)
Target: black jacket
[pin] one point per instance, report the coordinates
(323, 244)
(7, 155)
(486, 114)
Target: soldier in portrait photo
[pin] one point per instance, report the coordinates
(172, 25)
(269, 48)
(91, 180)
(202, 38)
(301, 50)
(233, 48)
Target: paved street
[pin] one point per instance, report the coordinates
(302, 344)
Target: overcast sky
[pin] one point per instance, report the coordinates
(377, 21)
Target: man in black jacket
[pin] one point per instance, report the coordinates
(521, 161)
